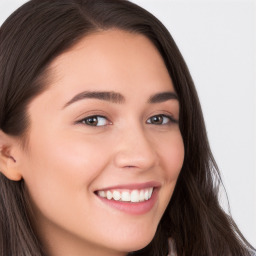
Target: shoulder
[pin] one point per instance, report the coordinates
(172, 247)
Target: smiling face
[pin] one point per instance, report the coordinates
(104, 147)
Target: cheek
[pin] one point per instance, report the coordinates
(172, 155)
(170, 150)
(58, 167)
(65, 154)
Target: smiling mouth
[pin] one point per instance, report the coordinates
(124, 195)
(132, 199)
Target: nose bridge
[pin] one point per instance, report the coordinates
(135, 149)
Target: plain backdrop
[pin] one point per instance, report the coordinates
(218, 41)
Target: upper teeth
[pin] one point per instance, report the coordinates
(127, 195)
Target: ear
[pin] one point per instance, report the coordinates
(9, 151)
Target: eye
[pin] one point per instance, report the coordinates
(161, 120)
(95, 121)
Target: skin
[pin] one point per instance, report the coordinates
(66, 161)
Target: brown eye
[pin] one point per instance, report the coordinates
(95, 121)
(160, 120)
(91, 121)
(156, 120)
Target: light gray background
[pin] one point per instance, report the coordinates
(218, 41)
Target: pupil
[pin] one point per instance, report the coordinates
(92, 121)
(157, 119)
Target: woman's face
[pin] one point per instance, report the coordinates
(102, 137)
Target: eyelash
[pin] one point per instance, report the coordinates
(98, 118)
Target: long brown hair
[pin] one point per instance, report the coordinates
(30, 39)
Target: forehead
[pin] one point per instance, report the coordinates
(112, 60)
(111, 55)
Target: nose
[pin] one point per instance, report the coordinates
(135, 150)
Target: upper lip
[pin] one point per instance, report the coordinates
(133, 186)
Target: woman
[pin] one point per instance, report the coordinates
(103, 144)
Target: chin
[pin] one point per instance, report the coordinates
(134, 243)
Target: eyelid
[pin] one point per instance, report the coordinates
(81, 121)
(97, 114)
(169, 116)
(174, 120)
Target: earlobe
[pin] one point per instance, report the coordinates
(8, 161)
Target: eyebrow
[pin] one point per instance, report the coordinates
(115, 97)
(162, 97)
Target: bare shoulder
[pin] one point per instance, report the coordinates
(172, 247)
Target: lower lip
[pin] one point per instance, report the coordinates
(133, 208)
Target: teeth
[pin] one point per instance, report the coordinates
(116, 195)
(146, 195)
(109, 195)
(133, 196)
(150, 191)
(102, 193)
(126, 197)
(142, 195)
